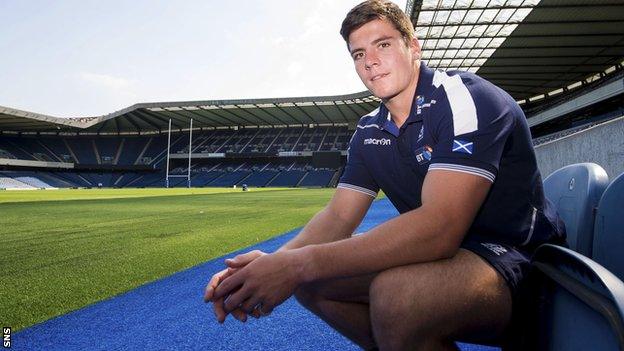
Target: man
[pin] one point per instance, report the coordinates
(453, 153)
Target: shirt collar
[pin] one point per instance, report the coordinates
(423, 90)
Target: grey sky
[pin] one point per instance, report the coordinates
(86, 58)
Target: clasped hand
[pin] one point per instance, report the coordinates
(253, 284)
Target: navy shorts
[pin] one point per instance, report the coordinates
(513, 264)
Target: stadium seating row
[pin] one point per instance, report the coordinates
(114, 150)
(578, 301)
(214, 178)
(11, 184)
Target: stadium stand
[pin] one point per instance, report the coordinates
(288, 178)
(130, 149)
(14, 150)
(83, 149)
(41, 179)
(260, 178)
(6, 154)
(106, 149)
(230, 178)
(34, 182)
(11, 184)
(609, 228)
(575, 190)
(203, 179)
(317, 178)
(57, 147)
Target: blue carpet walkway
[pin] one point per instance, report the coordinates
(169, 314)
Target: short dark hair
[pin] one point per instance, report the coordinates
(377, 9)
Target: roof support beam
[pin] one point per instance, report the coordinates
(117, 125)
(372, 106)
(136, 126)
(138, 116)
(203, 117)
(353, 110)
(340, 111)
(305, 113)
(235, 116)
(248, 111)
(289, 115)
(162, 119)
(102, 126)
(272, 115)
(322, 112)
(211, 112)
(184, 118)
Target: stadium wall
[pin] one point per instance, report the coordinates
(602, 144)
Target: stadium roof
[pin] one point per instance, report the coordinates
(154, 117)
(533, 49)
(527, 47)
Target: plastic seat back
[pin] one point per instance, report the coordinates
(580, 304)
(609, 228)
(575, 190)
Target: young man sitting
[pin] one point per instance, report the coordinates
(454, 154)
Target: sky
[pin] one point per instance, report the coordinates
(76, 58)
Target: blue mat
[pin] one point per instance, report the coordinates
(169, 314)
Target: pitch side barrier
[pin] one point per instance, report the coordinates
(600, 144)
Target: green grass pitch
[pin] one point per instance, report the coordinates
(65, 249)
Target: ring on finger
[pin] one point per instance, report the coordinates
(258, 308)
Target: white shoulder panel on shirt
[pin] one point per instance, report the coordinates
(462, 105)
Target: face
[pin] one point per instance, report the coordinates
(384, 62)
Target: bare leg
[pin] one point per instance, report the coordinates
(427, 306)
(343, 304)
(424, 306)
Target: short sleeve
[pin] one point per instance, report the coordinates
(471, 129)
(356, 175)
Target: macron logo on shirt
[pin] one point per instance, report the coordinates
(383, 141)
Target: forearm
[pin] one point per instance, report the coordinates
(407, 239)
(324, 227)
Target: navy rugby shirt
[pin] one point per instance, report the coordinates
(458, 122)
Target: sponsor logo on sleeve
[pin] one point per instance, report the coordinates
(423, 154)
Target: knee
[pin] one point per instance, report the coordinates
(386, 305)
(307, 295)
(397, 320)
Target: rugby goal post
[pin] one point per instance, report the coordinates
(190, 147)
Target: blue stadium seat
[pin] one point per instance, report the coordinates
(580, 304)
(609, 229)
(575, 190)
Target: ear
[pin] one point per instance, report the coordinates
(415, 48)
